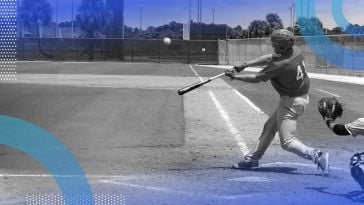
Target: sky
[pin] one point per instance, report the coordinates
(231, 12)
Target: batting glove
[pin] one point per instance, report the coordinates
(230, 74)
(240, 68)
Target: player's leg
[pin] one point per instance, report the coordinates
(287, 114)
(265, 139)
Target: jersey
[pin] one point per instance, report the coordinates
(287, 74)
(356, 127)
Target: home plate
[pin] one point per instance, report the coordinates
(250, 179)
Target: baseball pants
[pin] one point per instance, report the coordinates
(284, 121)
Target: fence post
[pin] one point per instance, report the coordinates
(188, 51)
(354, 54)
(132, 49)
(103, 48)
(23, 42)
(245, 49)
(238, 42)
(159, 51)
(227, 51)
(340, 56)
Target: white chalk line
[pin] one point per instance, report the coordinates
(235, 132)
(162, 189)
(250, 179)
(248, 101)
(301, 165)
(69, 176)
(128, 177)
(195, 72)
(328, 92)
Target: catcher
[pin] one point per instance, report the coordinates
(285, 68)
(330, 109)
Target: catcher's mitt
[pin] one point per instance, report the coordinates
(357, 168)
(330, 108)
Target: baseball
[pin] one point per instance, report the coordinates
(167, 41)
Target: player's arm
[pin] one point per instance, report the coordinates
(267, 73)
(338, 129)
(260, 61)
(250, 78)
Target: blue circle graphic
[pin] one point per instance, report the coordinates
(337, 12)
(322, 45)
(50, 153)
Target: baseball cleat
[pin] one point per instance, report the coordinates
(246, 164)
(322, 162)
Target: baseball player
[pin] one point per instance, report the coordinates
(285, 68)
(330, 109)
(353, 128)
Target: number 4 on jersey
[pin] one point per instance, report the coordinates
(301, 70)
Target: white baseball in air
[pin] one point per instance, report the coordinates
(167, 41)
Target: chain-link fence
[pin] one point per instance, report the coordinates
(73, 49)
(238, 51)
(230, 52)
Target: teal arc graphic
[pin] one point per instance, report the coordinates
(332, 52)
(50, 153)
(338, 14)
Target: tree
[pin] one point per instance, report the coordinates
(274, 21)
(34, 13)
(354, 29)
(337, 30)
(234, 33)
(309, 27)
(92, 20)
(259, 28)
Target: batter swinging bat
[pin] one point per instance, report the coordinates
(197, 85)
(260, 61)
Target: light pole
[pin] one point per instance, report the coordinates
(140, 17)
(199, 16)
(18, 18)
(302, 8)
(72, 31)
(292, 9)
(122, 24)
(293, 15)
(56, 18)
(189, 20)
(198, 10)
(290, 20)
(213, 15)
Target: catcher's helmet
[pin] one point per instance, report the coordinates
(282, 40)
(356, 168)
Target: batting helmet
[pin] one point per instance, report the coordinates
(282, 40)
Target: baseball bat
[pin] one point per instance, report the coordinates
(198, 84)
